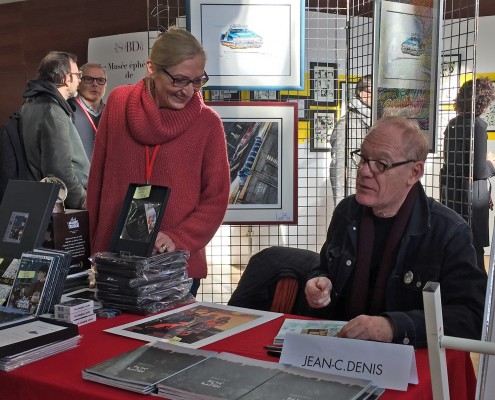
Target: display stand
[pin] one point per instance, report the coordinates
(438, 342)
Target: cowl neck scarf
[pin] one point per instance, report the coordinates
(151, 125)
(357, 303)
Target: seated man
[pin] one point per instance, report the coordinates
(386, 241)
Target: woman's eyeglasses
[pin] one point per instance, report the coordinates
(183, 82)
(90, 80)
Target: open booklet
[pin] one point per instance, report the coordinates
(310, 327)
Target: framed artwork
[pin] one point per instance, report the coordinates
(262, 151)
(346, 95)
(489, 115)
(405, 58)
(302, 107)
(263, 95)
(449, 78)
(323, 83)
(250, 44)
(322, 123)
(223, 95)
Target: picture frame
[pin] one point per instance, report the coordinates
(139, 220)
(449, 78)
(405, 60)
(262, 151)
(322, 123)
(194, 325)
(489, 115)
(346, 95)
(302, 107)
(24, 222)
(263, 95)
(269, 53)
(223, 95)
(323, 78)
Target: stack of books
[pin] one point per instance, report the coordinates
(35, 339)
(76, 311)
(176, 372)
(143, 285)
(37, 285)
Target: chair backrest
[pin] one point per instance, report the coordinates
(285, 295)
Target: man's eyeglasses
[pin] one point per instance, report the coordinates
(78, 74)
(376, 167)
(89, 80)
(183, 82)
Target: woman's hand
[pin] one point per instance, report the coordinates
(163, 243)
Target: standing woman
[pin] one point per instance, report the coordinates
(456, 172)
(160, 131)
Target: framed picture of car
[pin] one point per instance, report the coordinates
(323, 83)
(263, 95)
(322, 123)
(250, 44)
(405, 62)
(262, 151)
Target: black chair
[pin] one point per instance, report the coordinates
(274, 280)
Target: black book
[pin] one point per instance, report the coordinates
(25, 212)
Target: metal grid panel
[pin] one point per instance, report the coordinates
(337, 32)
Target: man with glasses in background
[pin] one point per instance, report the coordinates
(52, 144)
(388, 240)
(88, 103)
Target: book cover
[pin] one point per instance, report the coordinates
(29, 286)
(72, 306)
(140, 369)
(8, 272)
(224, 376)
(299, 383)
(309, 327)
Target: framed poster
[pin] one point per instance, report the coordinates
(323, 83)
(322, 123)
(250, 44)
(449, 78)
(262, 151)
(263, 95)
(405, 62)
(489, 115)
(302, 107)
(223, 95)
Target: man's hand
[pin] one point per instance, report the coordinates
(318, 292)
(368, 328)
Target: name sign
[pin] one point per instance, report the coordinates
(388, 365)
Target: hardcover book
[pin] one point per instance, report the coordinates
(223, 376)
(141, 369)
(309, 327)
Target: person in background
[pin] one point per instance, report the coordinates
(357, 120)
(469, 195)
(88, 104)
(160, 132)
(52, 144)
(388, 240)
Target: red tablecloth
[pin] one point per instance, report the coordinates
(59, 376)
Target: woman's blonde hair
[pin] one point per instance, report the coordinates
(171, 48)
